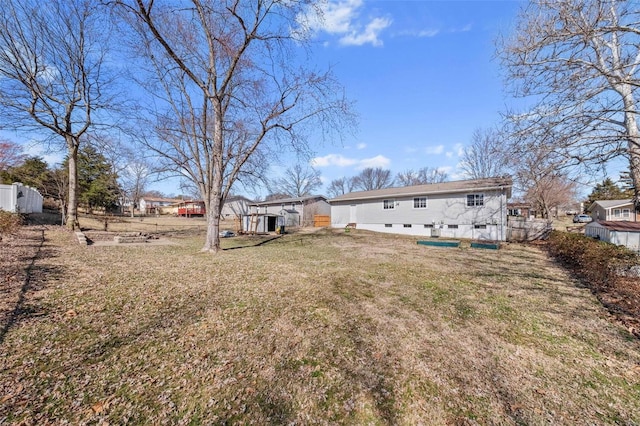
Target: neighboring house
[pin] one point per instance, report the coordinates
(295, 211)
(613, 210)
(520, 210)
(616, 232)
(18, 198)
(235, 207)
(475, 209)
(153, 205)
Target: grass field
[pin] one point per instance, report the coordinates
(321, 328)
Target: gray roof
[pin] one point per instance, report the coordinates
(288, 200)
(621, 225)
(435, 188)
(607, 204)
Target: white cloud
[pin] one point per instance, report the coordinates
(458, 150)
(377, 161)
(361, 145)
(438, 149)
(342, 18)
(342, 161)
(425, 33)
(51, 156)
(370, 34)
(333, 160)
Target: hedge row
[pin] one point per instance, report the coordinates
(9, 223)
(596, 262)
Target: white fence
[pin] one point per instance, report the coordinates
(18, 198)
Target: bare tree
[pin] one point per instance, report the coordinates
(373, 178)
(226, 86)
(52, 74)
(133, 167)
(60, 179)
(579, 61)
(340, 186)
(298, 181)
(10, 154)
(424, 176)
(541, 176)
(134, 179)
(486, 157)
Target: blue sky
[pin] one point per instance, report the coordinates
(423, 75)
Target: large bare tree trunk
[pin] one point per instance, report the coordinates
(72, 209)
(633, 135)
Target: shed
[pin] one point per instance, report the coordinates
(616, 232)
(261, 223)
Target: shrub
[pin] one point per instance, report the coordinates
(9, 223)
(597, 263)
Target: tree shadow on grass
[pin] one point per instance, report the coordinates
(34, 276)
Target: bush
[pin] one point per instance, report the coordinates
(597, 263)
(9, 223)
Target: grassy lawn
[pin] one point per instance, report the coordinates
(322, 328)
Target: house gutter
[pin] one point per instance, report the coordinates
(410, 194)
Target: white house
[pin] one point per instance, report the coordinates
(18, 198)
(616, 232)
(474, 209)
(613, 210)
(234, 207)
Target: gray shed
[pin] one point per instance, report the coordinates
(616, 232)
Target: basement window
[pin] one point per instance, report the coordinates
(407, 225)
(452, 226)
(480, 226)
(428, 225)
(388, 225)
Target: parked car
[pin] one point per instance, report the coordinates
(582, 218)
(226, 234)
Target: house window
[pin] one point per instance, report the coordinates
(428, 225)
(388, 204)
(621, 212)
(407, 225)
(480, 226)
(452, 226)
(420, 203)
(388, 225)
(475, 200)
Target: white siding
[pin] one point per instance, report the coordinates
(487, 222)
(630, 239)
(626, 238)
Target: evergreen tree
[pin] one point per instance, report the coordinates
(97, 182)
(608, 190)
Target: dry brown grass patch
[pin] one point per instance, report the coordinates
(320, 328)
